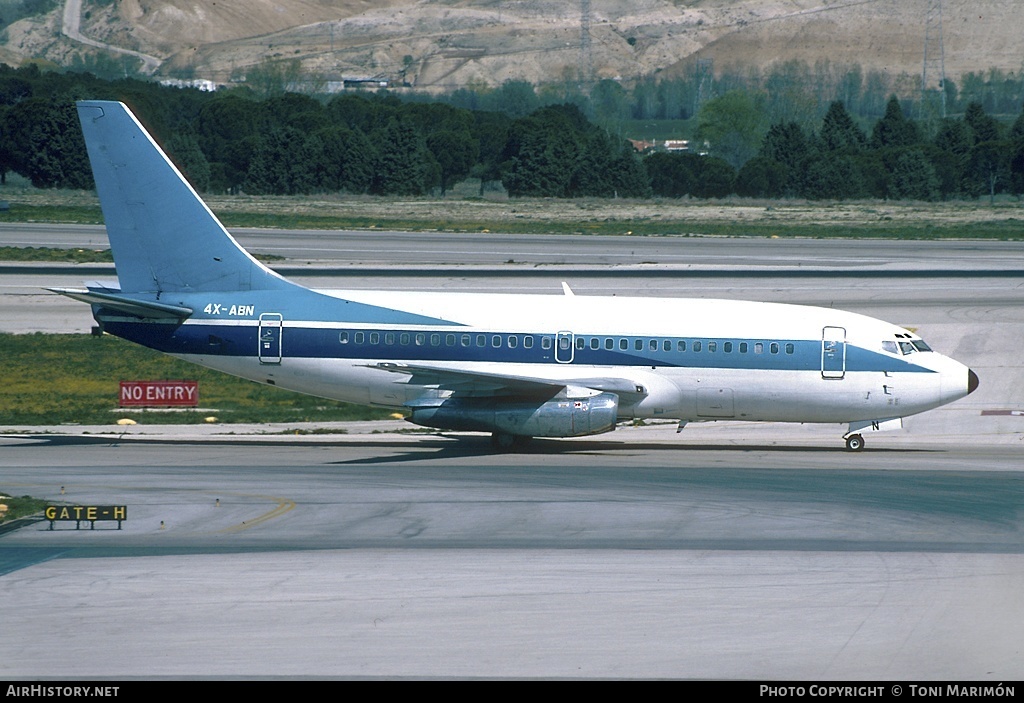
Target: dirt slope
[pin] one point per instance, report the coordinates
(451, 43)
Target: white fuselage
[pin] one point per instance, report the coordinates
(694, 359)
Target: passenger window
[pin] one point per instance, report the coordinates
(774, 347)
(405, 338)
(389, 337)
(496, 340)
(758, 347)
(449, 340)
(666, 345)
(420, 339)
(580, 343)
(696, 346)
(481, 340)
(513, 341)
(435, 340)
(545, 342)
(374, 337)
(654, 345)
(595, 343)
(712, 346)
(743, 347)
(360, 337)
(528, 341)
(623, 343)
(609, 343)
(790, 348)
(343, 337)
(466, 340)
(638, 345)
(681, 345)
(727, 347)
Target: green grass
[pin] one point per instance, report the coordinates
(58, 379)
(1009, 228)
(78, 256)
(73, 214)
(19, 507)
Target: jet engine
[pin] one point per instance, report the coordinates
(558, 417)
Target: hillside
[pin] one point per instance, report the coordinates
(445, 44)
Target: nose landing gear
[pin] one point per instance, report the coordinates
(854, 442)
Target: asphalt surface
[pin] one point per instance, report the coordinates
(727, 551)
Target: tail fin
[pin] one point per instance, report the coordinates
(163, 236)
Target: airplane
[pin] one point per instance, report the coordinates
(516, 366)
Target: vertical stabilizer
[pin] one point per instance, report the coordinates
(163, 236)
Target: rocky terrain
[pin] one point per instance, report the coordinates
(446, 44)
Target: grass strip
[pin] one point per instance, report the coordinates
(1009, 228)
(52, 379)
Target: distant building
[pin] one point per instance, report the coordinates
(200, 83)
(647, 147)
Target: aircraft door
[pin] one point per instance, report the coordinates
(564, 347)
(833, 352)
(270, 329)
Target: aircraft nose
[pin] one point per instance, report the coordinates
(972, 381)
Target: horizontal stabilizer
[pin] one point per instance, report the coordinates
(146, 309)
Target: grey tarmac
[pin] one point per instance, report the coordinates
(726, 551)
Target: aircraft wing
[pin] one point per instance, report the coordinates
(488, 383)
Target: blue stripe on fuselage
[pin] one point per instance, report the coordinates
(316, 342)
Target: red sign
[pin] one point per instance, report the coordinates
(159, 393)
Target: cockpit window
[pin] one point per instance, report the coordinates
(890, 347)
(920, 345)
(907, 348)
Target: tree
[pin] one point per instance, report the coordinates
(226, 132)
(672, 175)
(732, 125)
(894, 130)
(608, 99)
(676, 175)
(189, 158)
(404, 165)
(515, 98)
(1017, 155)
(786, 145)
(988, 169)
(455, 152)
(542, 152)
(347, 160)
(913, 177)
(274, 169)
(983, 127)
(831, 176)
(44, 143)
(839, 132)
(761, 178)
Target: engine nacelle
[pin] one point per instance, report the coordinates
(559, 417)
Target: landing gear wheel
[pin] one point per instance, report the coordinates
(855, 443)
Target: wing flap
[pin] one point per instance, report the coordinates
(463, 382)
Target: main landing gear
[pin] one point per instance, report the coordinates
(854, 442)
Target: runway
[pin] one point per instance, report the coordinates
(631, 556)
(727, 551)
